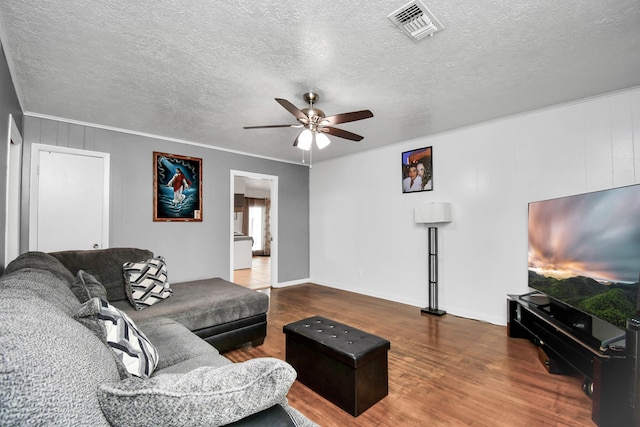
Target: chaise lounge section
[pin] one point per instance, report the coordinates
(222, 313)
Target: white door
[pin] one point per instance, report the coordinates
(69, 199)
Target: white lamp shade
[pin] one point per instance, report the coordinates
(304, 140)
(433, 213)
(322, 140)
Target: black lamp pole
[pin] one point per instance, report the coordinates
(433, 274)
(433, 213)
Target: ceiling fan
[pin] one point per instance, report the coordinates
(316, 124)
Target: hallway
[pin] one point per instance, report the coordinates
(258, 276)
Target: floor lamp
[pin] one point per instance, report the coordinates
(433, 213)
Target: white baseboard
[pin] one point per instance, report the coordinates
(292, 283)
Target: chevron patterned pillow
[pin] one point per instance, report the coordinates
(146, 282)
(129, 344)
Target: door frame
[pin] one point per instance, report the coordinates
(13, 179)
(273, 220)
(36, 149)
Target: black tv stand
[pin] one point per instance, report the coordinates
(583, 344)
(536, 298)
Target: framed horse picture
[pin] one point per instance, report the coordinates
(177, 187)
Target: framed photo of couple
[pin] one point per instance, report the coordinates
(177, 187)
(417, 170)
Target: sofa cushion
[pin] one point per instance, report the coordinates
(146, 282)
(192, 363)
(204, 303)
(129, 343)
(204, 396)
(85, 287)
(50, 365)
(179, 349)
(104, 264)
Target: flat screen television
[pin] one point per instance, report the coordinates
(584, 251)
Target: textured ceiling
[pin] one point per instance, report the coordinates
(201, 70)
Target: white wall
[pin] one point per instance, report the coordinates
(363, 237)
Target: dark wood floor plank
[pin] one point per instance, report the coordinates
(442, 370)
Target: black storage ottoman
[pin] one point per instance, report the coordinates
(345, 365)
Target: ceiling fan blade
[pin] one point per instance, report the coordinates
(347, 117)
(271, 126)
(293, 110)
(340, 133)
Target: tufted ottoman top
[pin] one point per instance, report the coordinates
(342, 342)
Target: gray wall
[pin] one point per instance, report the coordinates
(8, 105)
(196, 249)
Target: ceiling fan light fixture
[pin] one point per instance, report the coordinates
(322, 140)
(316, 124)
(305, 139)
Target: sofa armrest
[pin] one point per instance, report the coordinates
(204, 396)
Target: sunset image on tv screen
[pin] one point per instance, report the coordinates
(584, 250)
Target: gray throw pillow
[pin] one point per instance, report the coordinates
(131, 346)
(146, 282)
(204, 396)
(85, 287)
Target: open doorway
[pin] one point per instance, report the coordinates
(254, 229)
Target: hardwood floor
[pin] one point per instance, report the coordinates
(258, 276)
(442, 370)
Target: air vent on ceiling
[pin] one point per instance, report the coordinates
(416, 20)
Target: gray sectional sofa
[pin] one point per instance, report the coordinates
(59, 367)
(220, 312)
